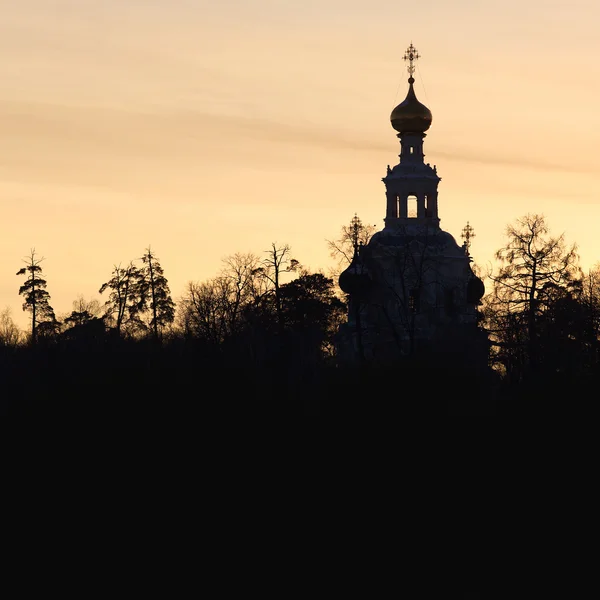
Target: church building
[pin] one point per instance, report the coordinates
(411, 288)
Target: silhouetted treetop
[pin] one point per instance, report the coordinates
(37, 298)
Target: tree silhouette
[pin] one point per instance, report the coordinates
(273, 266)
(154, 293)
(124, 303)
(535, 269)
(37, 299)
(352, 235)
(342, 249)
(241, 276)
(10, 334)
(312, 310)
(83, 312)
(590, 298)
(201, 313)
(220, 308)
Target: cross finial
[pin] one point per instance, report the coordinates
(468, 233)
(355, 227)
(411, 55)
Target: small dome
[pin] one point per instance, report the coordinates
(355, 280)
(410, 115)
(475, 290)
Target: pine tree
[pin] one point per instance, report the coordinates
(155, 295)
(124, 303)
(37, 299)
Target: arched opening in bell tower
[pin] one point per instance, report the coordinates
(412, 207)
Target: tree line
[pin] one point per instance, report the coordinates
(542, 315)
(249, 324)
(134, 292)
(138, 306)
(263, 330)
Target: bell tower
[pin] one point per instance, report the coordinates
(411, 186)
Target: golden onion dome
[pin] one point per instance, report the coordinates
(410, 115)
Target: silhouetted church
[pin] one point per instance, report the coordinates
(411, 288)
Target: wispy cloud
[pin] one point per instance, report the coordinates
(39, 136)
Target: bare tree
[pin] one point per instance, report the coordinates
(590, 299)
(241, 273)
(83, 312)
(276, 263)
(216, 309)
(352, 236)
(202, 310)
(10, 334)
(532, 265)
(91, 306)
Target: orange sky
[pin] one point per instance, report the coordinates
(208, 128)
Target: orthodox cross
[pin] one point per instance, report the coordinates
(468, 233)
(355, 227)
(411, 55)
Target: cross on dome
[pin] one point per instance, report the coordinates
(468, 233)
(411, 55)
(355, 227)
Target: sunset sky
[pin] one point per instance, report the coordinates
(209, 128)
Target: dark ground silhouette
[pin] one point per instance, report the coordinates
(120, 378)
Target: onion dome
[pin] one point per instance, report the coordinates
(410, 115)
(475, 290)
(355, 280)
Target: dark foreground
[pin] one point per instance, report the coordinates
(136, 380)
